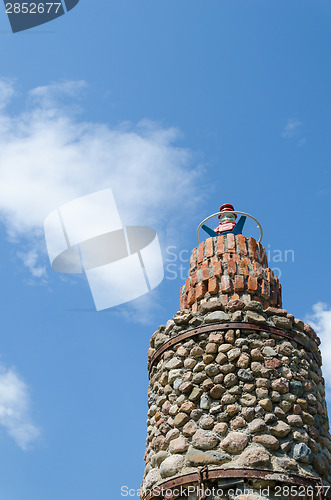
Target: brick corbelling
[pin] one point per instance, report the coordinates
(228, 244)
(238, 268)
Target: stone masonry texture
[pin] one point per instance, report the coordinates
(235, 381)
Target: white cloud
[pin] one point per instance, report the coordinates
(291, 128)
(31, 260)
(6, 91)
(320, 320)
(48, 95)
(15, 409)
(49, 156)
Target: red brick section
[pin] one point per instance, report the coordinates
(263, 255)
(195, 307)
(230, 267)
(257, 269)
(252, 284)
(226, 284)
(243, 269)
(242, 244)
(231, 264)
(205, 271)
(191, 296)
(200, 252)
(193, 260)
(187, 285)
(217, 268)
(220, 245)
(265, 289)
(239, 285)
(252, 246)
(201, 290)
(270, 275)
(213, 286)
(209, 247)
(231, 243)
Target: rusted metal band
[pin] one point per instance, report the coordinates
(202, 480)
(213, 474)
(223, 326)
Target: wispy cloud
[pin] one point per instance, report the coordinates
(50, 156)
(291, 128)
(15, 409)
(31, 260)
(49, 95)
(6, 91)
(320, 320)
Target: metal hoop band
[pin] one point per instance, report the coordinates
(225, 326)
(214, 474)
(230, 212)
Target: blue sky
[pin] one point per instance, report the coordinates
(178, 107)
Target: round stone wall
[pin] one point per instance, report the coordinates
(235, 386)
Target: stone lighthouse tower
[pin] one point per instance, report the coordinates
(236, 396)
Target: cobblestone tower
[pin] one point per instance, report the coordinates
(236, 396)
